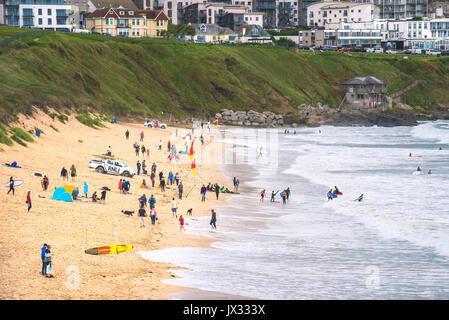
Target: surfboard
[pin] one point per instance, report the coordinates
(334, 195)
(111, 249)
(105, 157)
(417, 172)
(16, 183)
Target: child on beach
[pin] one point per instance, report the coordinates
(47, 260)
(153, 216)
(181, 223)
(64, 174)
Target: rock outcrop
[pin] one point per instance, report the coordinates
(250, 118)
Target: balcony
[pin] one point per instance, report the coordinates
(123, 25)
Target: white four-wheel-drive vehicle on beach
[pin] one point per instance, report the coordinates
(113, 166)
(155, 124)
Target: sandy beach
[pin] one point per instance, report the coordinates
(72, 227)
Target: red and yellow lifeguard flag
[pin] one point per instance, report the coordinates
(216, 123)
(191, 154)
(193, 167)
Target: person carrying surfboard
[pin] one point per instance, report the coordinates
(11, 185)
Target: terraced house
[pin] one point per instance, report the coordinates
(128, 23)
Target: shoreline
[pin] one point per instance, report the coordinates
(73, 227)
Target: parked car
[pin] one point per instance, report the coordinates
(378, 50)
(112, 166)
(357, 49)
(390, 51)
(433, 53)
(304, 47)
(445, 53)
(328, 48)
(155, 124)
(344, 50)
(407, 51)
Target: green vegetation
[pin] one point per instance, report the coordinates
(294, 32)
(179, 31)
(115, 76)
(56, 129)
(20, 136)
(284, 42)
(4, 139)
(85, 118)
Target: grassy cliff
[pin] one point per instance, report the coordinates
(131, 77)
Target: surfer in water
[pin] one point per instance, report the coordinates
(336, 191)
(418, 169)
(360, 198)
(429, 172)
(329, 195)
(273, 194)
(410, 154)
(262, 195)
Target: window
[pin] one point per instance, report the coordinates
(131, 13)
(40, 21)
(49, 22)
(39, 12)
(134, 23)
(49, 12)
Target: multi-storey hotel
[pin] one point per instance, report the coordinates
(41, 14)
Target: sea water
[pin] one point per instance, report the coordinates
(392, 245)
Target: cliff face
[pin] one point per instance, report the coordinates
(148, 77)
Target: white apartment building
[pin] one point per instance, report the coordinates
(321, 13)
(41, 14)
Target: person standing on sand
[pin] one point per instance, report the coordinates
(127, 134)
(180, 190)
(47, 260)
(203, 193)
(284, 197)
(159, 146)
(44, 264)
(217, 190)
(181, 223)
(72, 172)
(152, 179)
(174, 207)
(163, 185)
(142, 215)
(170, 177)
(262, 195)
(45, 182)
(177, 178)
(169, 146)
(64, 174)
(152, 202)
(138, 167)
(213, 220)
(141, 136)
(103, 197)
(28, 201)
(11, 185)
(148, 153)
(120, 185)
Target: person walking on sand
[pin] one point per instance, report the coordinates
(159, 146)
(127, 134)
(142, 215)
(163, 185)
(203, 193)
(64, 174)
(73, 172)
(103, 197)
(141, 136)
(47, 260)
(169, 146)
(153, 216)
(174, 207)
(180, 190)
(11, 185)
(45, 182)
(148, 153)
(177, 178)
(152, 177)
(44, 264)
(213, 220)
(181, 223)
(28, 201)
(170, 177)
(217, 190)
(152, 201)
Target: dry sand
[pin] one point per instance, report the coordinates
(72, 227)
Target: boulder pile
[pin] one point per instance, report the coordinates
(250, 118)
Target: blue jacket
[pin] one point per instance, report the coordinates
(43, 253)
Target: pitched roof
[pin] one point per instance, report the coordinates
(127, 4)
(364, 81)
(154, 14)
(246, 30)
(211, 29)
(102, 13)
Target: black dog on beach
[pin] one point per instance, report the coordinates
(189, 212)
(128, 213)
